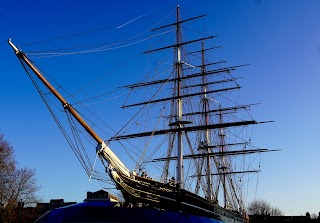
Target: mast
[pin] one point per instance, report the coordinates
(206, 120)
(178, 126)
(179, 104)
(63, 101)
(223, 166)
(102, 149)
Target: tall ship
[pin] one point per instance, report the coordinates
(188, 137)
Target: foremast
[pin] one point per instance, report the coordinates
(102, 149)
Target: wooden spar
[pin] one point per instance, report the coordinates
(178, 22)
(212, 154)
(179, 44)
(200, 51)
(180, 96)
(216, 71)
(220, 109)
(205, 104)
(228, 173)
(205, 65)
(233, 108)
(211, 83)
(186, 129)
(65, 104)
(226, 144)
(179, 103)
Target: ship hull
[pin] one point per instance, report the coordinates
(170, 198)
(104, 211)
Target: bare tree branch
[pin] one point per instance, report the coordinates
(262, 207)
(17, 185)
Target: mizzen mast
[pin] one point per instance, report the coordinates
(206, 121)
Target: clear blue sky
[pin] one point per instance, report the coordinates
(280, 39)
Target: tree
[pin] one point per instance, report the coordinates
(7, 162)
(17, 185)
(259, 207)
(262, 207)
(275, 211)
(314, 216)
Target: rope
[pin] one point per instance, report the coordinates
(66, 36)
(143, 107)
(64, 132)
(72, 35)
(95, 50)
(59, 86)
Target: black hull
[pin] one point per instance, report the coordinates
(170, 198)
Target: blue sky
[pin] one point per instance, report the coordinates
(280, 39)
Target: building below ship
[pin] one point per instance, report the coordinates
(283, 219)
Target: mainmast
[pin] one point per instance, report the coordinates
(179, 104)
(178, 126)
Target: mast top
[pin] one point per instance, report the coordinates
(16, 50)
